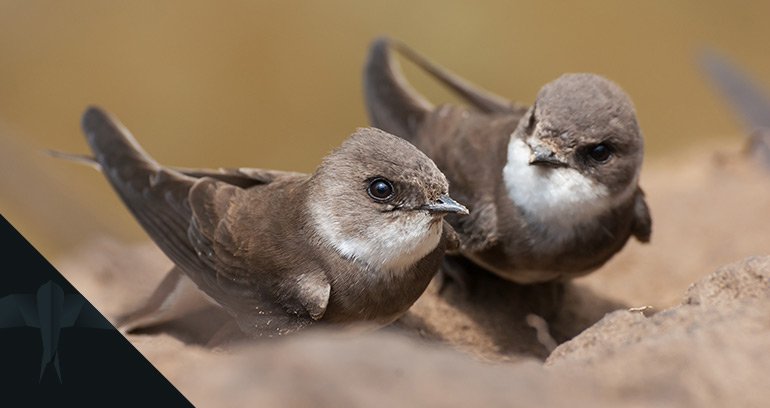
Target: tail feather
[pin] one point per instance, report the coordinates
(75, 158)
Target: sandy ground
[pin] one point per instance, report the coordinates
(703, 342)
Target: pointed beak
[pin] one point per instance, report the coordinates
(542, 155)
(445, 205)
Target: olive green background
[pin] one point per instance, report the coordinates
(277, 84)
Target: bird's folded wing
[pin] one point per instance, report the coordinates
(244, 290)
(477, 97)
(182, 211)
(642, 228)
(243, 177)
(396, 107)
(393, 105)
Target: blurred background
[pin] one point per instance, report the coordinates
(278, 84)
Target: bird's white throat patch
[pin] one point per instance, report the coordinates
(393, 246)
(558, 197)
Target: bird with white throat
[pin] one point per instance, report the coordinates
(357, 241)
(553, 188)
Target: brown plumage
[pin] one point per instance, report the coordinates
(543, 205)
(281, 250)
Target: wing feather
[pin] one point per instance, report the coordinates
(182, 210)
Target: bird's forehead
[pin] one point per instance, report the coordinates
(583, 100)
(371, 152)
(426, 175)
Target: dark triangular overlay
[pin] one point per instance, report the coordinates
(57, 350)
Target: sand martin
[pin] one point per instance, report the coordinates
(552, 188)
(356, 241)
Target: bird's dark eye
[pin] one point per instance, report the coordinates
(380, 189)
(600, 153)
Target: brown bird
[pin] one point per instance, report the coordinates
(356, 241)
(552, 188)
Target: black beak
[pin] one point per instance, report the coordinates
(542, 155)
(445, 205)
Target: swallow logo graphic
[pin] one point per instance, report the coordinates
(50, 310)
